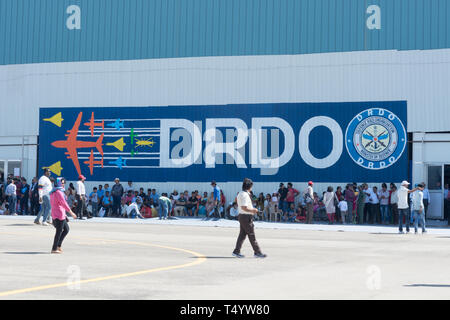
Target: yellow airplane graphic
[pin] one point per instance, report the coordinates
(55, 168)
(119, 144)
(56, 119)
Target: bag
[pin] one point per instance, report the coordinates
(308, 198)
(101, 213)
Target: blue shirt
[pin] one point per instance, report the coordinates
(101, 193)
(202, 211)
(155, 197)
(217, 194)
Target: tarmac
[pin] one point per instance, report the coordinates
(133, 259)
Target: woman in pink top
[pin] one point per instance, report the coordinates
(59, 207)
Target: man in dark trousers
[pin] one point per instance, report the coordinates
(117, 193)
(245, 217)
(34, 197)
(24, 196)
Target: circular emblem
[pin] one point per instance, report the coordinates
(375, 139)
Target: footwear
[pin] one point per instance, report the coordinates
(45, 224)
(89, 217)
(56, 251)
(81, 218)
(37, 222)
(238, 255)
(59, 249)
(260, 255)
(401, 232)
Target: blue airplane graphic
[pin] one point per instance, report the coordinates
(120, 163)
(118, 124)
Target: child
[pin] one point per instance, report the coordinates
(343, 207)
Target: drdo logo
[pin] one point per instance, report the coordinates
(375, 139)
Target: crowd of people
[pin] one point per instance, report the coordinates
(352, 204)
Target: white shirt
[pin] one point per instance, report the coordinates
(133, 206)
(234, 212)
(11, 189)
(373, 197)
(129, 188)
(343, 206)
(384, 201)
(402, 194)
(394, 197)
(46, 184)
(417, 200)
(81, 190)
(244, 200)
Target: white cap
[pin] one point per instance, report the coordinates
(405, 183)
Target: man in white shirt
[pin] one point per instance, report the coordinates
(44, 188)
(246, 213)
(129, 187)
(308, 196)
(11, 193)
(403, 207)
(383, 195)
(234, 211)
(81, 199)
(132, 210)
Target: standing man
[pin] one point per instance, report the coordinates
(11, 194)
(34, 197)
(246, 213)
(44, 188)
(290, 197)
(216, 195)
(426, 197)
(81, 199)
(282, 192)
(117, 193)
(403, 207)
(308, 195)
(24, 197)
(350, 197)
(384, 195)
(418, 209)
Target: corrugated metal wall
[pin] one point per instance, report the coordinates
(35, 30)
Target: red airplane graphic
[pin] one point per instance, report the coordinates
(92, 162)
(91, 124)
(72, 144)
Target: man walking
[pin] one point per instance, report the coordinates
(246, 213)
(81, 199)
(44, 188)
(403, 207)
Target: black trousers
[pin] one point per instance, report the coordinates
(62, 229)
(81, 207)
(367, 212)
(34, 206)
(24, 205)
(247, 228)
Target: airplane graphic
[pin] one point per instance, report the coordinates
(120, 163)
(117, 124)
(92, 162)
(72, 144)
(91, 124)
(133, 135)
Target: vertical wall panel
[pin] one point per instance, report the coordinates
(35, 30)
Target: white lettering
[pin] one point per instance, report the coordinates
(374, 21)
(338, 144)
(73, 22)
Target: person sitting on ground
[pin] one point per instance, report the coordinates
(289, 215)
(191, 206)
(202, 209)
(234, 211)
(132, 210)
(300, 213)
(210, 204)
(180, 205)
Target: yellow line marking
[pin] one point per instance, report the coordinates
(200, 259)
